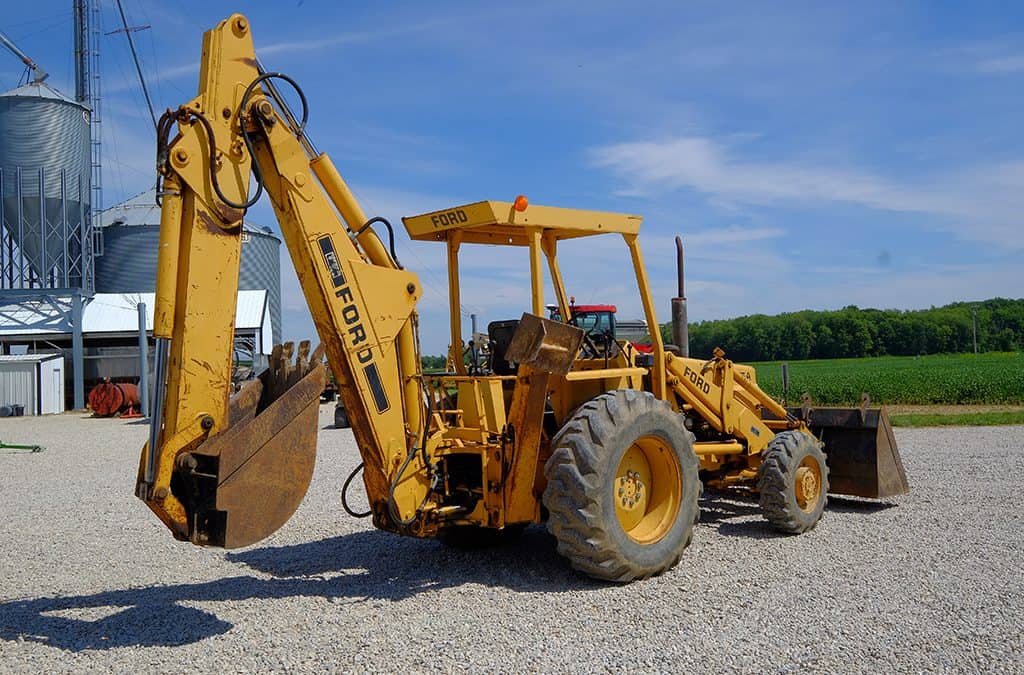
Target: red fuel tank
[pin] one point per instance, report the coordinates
(109, 398)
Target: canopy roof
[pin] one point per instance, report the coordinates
(499, 223)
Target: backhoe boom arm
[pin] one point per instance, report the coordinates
(229, 473)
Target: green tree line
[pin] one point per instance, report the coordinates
(852, 332)
(433, 362)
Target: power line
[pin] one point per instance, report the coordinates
(135, 57)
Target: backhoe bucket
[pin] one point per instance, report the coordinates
(863, 459)
(546, 346)
(250, 479)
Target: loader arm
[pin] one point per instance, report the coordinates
(228, 471)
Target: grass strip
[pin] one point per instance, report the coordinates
(959, 419)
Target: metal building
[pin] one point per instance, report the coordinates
(131, 232)
(33, 381)
(110, 328)
(45, 167)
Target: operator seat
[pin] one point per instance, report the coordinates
(500, 333)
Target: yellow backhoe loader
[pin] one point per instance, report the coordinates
(608, 447)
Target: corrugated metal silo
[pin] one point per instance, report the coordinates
(44, 191)
(261, 268)
(131, 232)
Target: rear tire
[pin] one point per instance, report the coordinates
(793, 482)
(622, 487)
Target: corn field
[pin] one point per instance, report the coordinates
(993, 378)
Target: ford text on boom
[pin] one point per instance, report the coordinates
(447, 218)
(697, 380)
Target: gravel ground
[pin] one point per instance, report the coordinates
(92, 582)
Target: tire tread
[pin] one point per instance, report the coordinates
(780, 460)
(574, 491)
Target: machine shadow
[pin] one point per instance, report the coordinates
(734, 514)
(855, 505)
(360, 567)
(379, 565)
(737, 514)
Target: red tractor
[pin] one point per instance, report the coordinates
(601, 327)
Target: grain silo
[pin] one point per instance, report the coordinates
(261, 268)
(45, 166)
(131, 231)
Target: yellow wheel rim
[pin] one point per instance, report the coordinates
(648, 490)
(808, 484)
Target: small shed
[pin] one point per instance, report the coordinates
(35, 381)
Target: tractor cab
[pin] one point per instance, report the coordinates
(601, 325)
(596, 321)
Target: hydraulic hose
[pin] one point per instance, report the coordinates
(392, 506)
(391, 236)
(344, 493)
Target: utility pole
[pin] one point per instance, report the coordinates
(974, 328)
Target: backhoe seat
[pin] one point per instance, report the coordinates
(500, 335)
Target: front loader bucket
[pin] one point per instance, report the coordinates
(248, 480)
(863, 459)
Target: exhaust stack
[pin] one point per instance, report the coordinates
(680, 329)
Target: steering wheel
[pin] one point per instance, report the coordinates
(589, 347)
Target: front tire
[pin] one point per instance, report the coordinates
(793, 482)
(622, 487)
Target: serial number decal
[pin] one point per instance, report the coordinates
(447, 218)
(697, 380)
(331, 260)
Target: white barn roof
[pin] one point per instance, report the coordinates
(113, 313)
(28, 358)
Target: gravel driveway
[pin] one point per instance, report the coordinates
(92, 581)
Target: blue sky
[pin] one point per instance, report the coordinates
(812, 155)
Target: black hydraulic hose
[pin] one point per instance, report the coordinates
(213, 165)
(295, 85)
(391, 236)
(163, 132)
(344, 492)
(257, 173)
(164, 125)
(426, 423)
(392, 507)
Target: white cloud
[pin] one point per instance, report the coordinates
(732, 235)
(1013, 63)
(706, 166)
(982, 203)
(988, 57)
